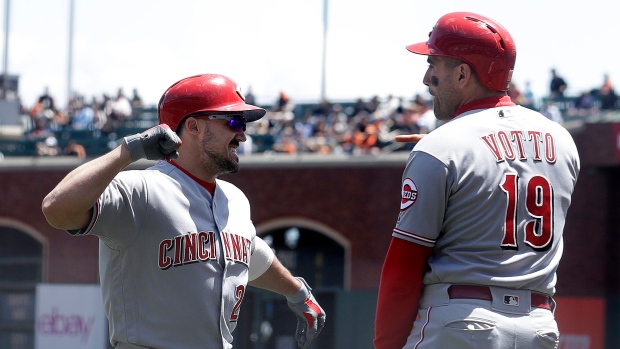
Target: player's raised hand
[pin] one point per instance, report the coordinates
(310, 315)
(156, 143)
(413, 138)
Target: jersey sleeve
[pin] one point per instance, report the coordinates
(399, 293)
(119, 211)
(261, 259)
(425, 190)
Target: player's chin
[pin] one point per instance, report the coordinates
(229, 166)
(233, 161)
(233, 155)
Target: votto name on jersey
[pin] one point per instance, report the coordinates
(201, 247)
(519, 144)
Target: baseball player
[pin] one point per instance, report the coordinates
(473, 257)
(177, 245)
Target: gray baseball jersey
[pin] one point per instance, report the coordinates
(489, 191)
(173, 258)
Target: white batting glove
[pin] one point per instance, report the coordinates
(156, 143)
(310, 315)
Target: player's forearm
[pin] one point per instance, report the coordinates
(69, 204)
(395, 312)
(277, 279)
(399, 293)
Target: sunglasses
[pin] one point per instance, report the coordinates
(235, 121)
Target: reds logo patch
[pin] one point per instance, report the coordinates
(409, 194)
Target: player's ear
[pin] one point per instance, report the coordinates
(464, 71)
(190, 125)
(465, 74)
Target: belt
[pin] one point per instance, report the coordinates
(484, 293)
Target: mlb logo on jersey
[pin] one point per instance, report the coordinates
(409, 194)
(511, 300)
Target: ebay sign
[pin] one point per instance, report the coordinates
(69, 316)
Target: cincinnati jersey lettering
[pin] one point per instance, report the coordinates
(236, 247)
(200, 247)
(186, 249)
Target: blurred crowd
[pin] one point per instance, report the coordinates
(558, 106)
(362, 127)
(45, 120)
(354, 127)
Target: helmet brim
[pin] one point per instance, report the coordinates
(249, 112)
(420, 48)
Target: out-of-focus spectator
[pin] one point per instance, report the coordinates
(373, 104)
(281, 112)
(557, 86)
(46, 100)
(387, 107)
(136, 104)
(608, 97)
(100, 118)
(408, 121)
(117, 110)
(358, 107)
(60, 119)
(323, 108)
(48, 146)
(305, 127)
(249, 96)
(84, 117)
(120, 106)
(38, 111)
(283, 101)
(427, 120)
(246, 148)
(365, 140)
(585, 105)
(515, 94)
(552, 112)
(286, 145)
(41, 129)
(528, 100)
(43, 113)
(338, 119)
(75, 149)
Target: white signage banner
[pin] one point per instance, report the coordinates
(70, 316)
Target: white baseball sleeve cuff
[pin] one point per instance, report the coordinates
(262, 257)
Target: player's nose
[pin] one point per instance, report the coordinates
(240, 136)
(427, 78)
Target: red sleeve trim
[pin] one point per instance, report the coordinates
(408, 236)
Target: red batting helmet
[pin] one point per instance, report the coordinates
(476, 40)
(204, 93)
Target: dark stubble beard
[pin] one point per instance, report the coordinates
(219, 163)
(443, 105)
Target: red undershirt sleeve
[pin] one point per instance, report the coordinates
(399, 292)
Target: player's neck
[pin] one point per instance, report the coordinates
(210, 186)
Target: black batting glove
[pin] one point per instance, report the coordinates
(156, 143)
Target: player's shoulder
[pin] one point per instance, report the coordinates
(233, 196)
(229, 189)
(535, 119)
(159, 173)
(227, 185)
(159, 169)
(464, 131)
